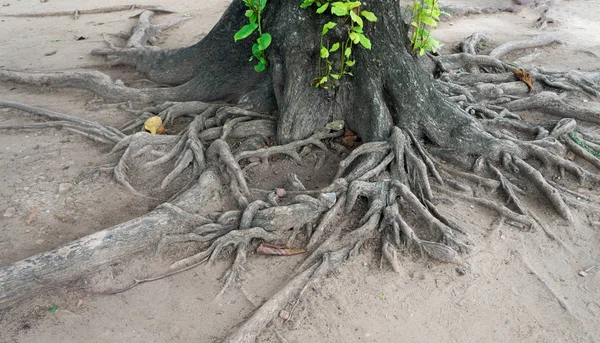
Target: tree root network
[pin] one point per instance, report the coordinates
(403, 174)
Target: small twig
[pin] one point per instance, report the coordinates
(121, 290)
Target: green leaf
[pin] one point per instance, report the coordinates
(263, 3)
(330, 25)
(307, 3)
(334, 47)
(249, 13)
(324, 52)
(256, 50)
(323, 80)
(260, 67)
(339, 9)
(354, 37)
(355, 18)
(421, 52)
(350, 63)
(364, 41)
(323, 8)
(369, 16)
(335, 76)
(348, 52)
(357, 29)
(351, 5)
(245, 32)
(53, 309)
(264, 41)
(428, 21)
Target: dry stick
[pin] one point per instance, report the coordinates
(560, 300)
(121, 290)
(90, 11)
(550, 192)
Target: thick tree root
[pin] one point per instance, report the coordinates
(96, 82)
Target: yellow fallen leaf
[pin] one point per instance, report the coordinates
(154, 126)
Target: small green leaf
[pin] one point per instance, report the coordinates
(330, 25)
(339, 9)
(264, 41)
(355, 18)
(348, 52)
(263, 3)
(323, 80)
(323, 8)
(350, 63)
(324, 52)
(352, 5)
(364, 41)
(249, 13)
(421, 52)
(335, 76)
(53, 309)
(334, 47)
(256, 50)
(357, 29)
(245, 31)
(260, 67)
(307, 3)
(354, 37)
(369, 16)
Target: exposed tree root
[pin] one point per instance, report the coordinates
(77, 13)
(142, 35)
(380, 181)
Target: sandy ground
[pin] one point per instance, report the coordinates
(522, 286)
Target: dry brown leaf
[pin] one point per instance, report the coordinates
(154, 126)
(270, 249)
(524, 76)
(349, 139)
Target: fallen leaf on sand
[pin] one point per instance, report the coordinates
(269, 249)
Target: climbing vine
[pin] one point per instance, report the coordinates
(424, 18)
(255, 9)
(328, 71)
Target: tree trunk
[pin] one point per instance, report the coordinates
(388, 87)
